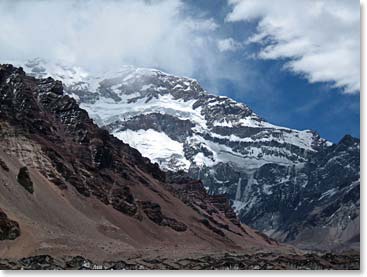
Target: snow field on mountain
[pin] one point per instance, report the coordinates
(156, 146)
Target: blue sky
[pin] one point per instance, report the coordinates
(295, 63)
(288, 100)
(278, 95)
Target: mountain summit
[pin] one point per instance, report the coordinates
(293, 185)
(68, 187)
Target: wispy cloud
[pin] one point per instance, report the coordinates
(318, 39)
(228, 44)
(99, 34)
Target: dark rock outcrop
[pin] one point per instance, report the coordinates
(24, 179)
(3, 165)
(9, 229)
(154, 213)
(122, 200)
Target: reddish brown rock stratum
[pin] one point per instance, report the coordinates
(95, 196)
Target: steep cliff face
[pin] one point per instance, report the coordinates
(316, 206)
(92, 194)
(279, 179)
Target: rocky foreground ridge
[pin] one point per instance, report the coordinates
(212, 262)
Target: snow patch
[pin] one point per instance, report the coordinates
(156, 146)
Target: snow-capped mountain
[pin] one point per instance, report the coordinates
(68, 187)
(215, 128)
(278, 178)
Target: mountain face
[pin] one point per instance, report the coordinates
(68, 187)
(290, 184)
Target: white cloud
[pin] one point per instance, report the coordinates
(228, 44)
(107, 33)
(319, 39)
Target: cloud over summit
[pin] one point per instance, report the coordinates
(318, 39)
(99, 34)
